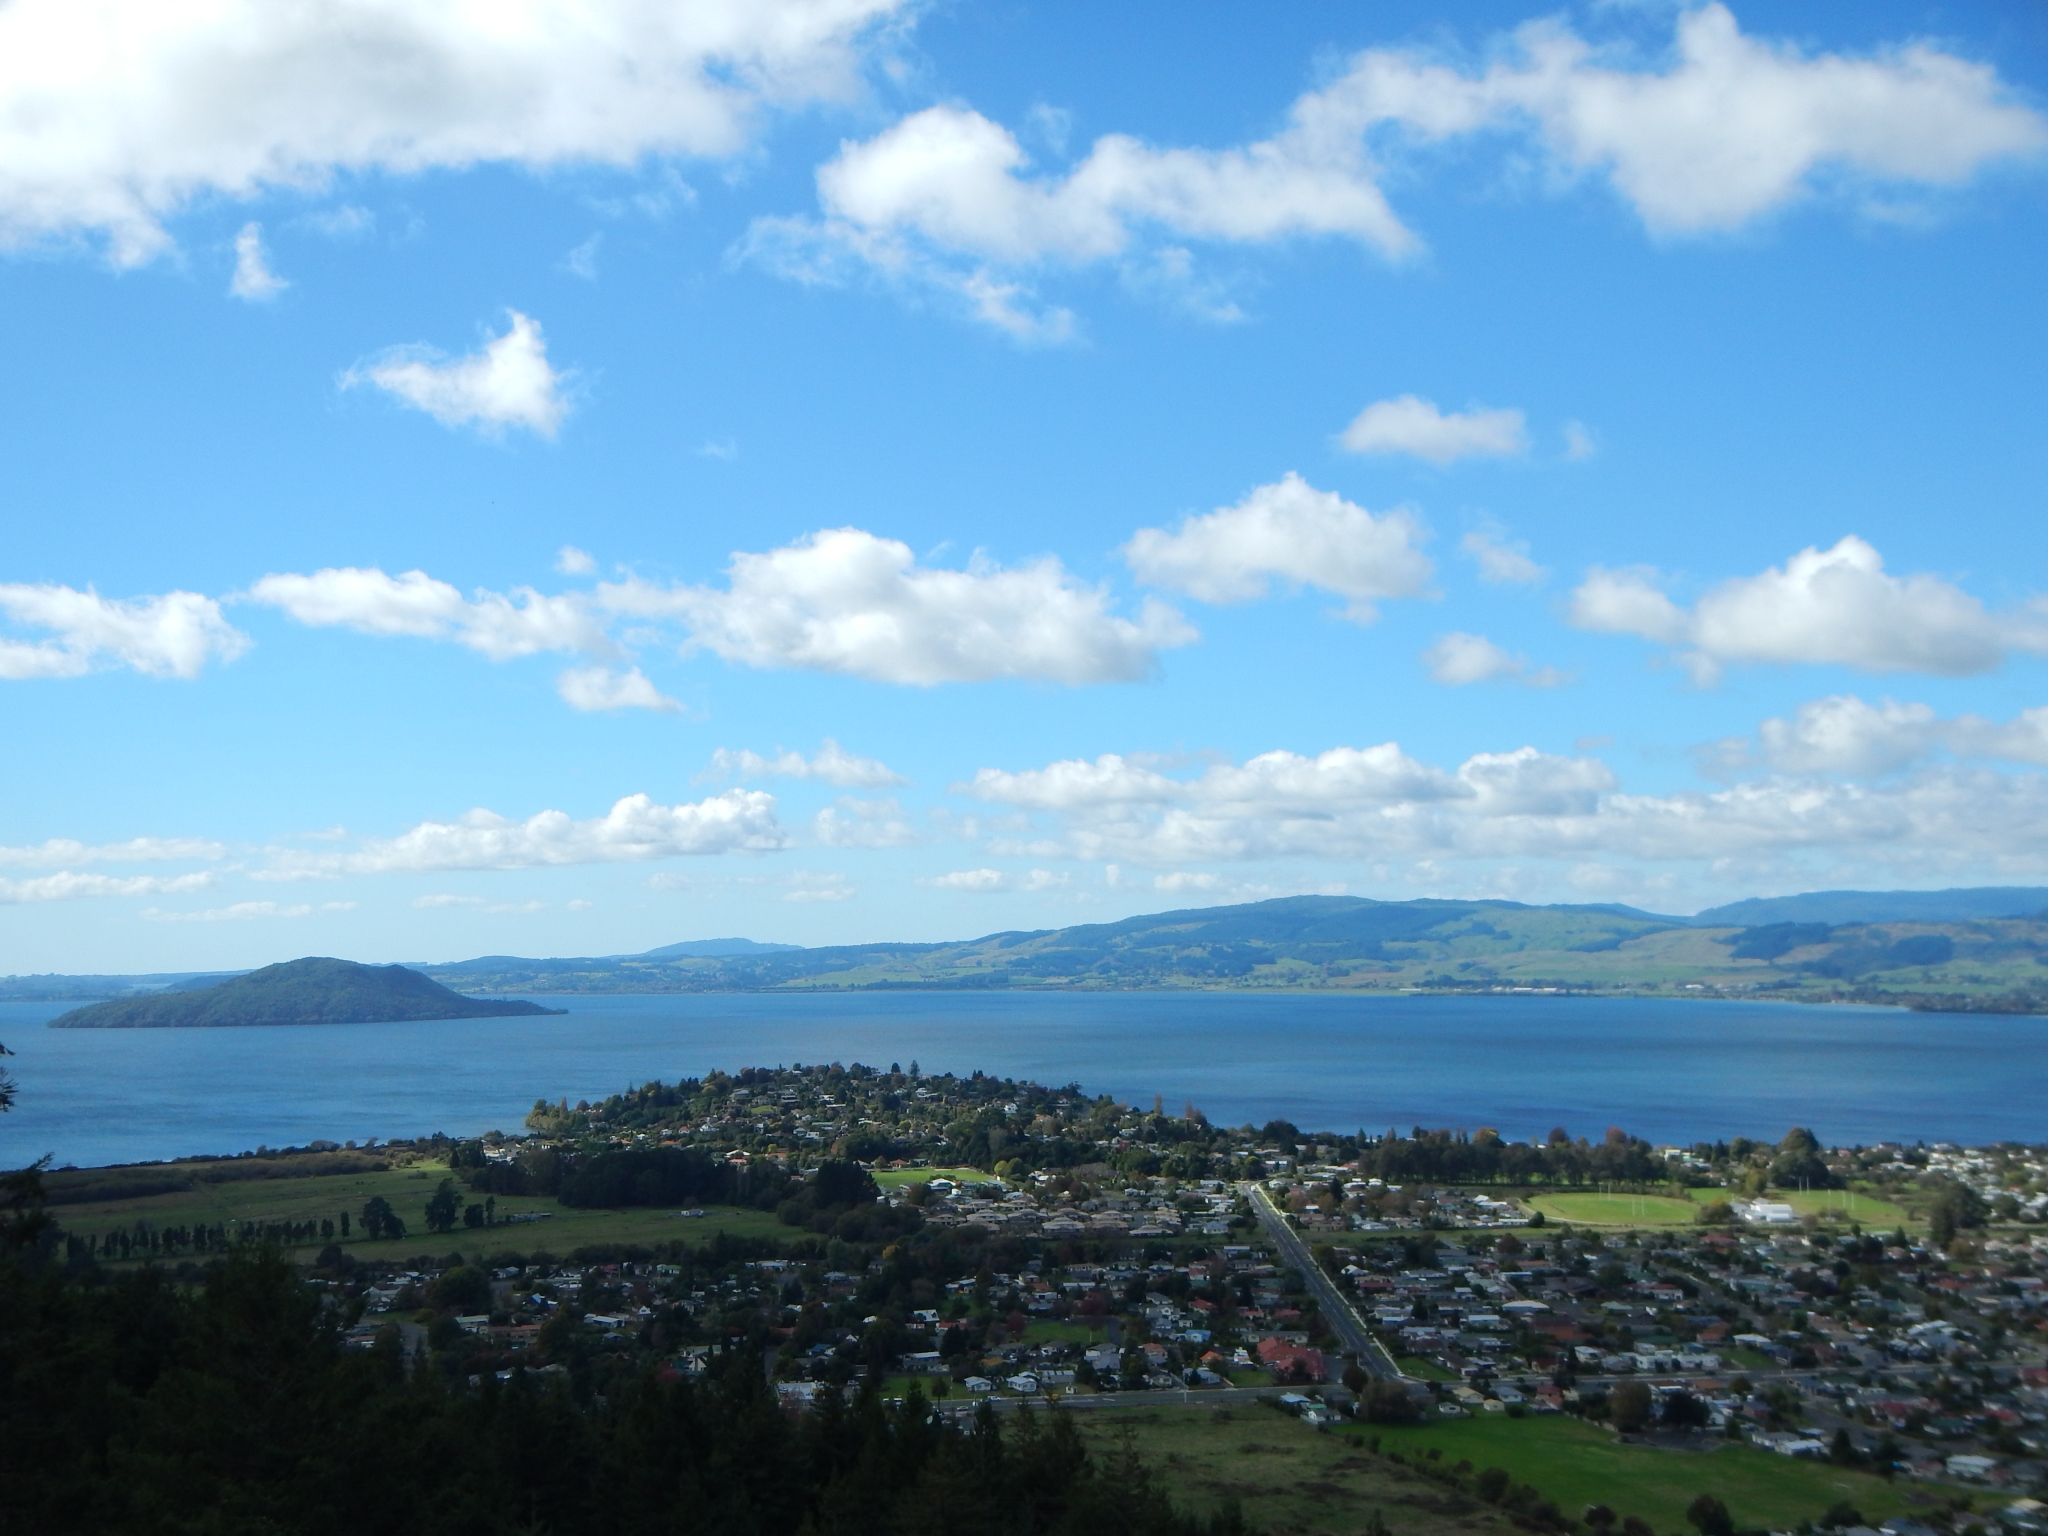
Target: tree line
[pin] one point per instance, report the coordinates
(130, 1403)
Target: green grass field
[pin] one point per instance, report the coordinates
(1049, 1330)
(1583, 1209)
(1574, 1464)
(407, 1190)
(896, 1178)
(1593, 1210)
(1845, 1205)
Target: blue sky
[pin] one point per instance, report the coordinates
(562, 480)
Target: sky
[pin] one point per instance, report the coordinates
(561, 479)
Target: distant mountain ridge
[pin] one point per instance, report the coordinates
(315, 990)
(1968, 904)
(1972, 947)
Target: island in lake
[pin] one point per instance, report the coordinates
(309, 991)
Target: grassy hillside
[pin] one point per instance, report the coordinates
(1346, 943)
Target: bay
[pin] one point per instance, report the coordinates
(1671, 1070)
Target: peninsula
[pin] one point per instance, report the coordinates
(310, 991)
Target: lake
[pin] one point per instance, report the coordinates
(1667, 1069)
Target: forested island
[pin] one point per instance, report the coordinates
(309, 991)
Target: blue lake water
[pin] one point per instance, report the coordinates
(1669, 1070)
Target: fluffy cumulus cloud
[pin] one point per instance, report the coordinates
(1378, 805)
(846, 601)
(1415, 426)
(1823, 606)
(1287, 531)
(830, 764)
(603, 690)
(1728, 128)
(1847, 735)
(136, 850)
(857, 823)
(1500, 563)
(174, 635)
(944, 198)
(68, 885)
(636, 828)
(115, 114)
(1724, 129)
(413, 603)
(1459, 660)
(509, 383)
(245, 911)
(253, 279)
(988, 882)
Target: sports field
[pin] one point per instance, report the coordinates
(1586, 1209)
(561, 1229)
(1595, 1210)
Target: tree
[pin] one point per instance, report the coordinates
(1629, 1408)
(1388, 1402)
(1710, 1517)
(380, 1221)
(443, 1207)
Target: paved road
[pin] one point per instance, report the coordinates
(1342, 1317)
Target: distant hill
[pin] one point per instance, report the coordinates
(1947, 950)
(711, 949)
(310, 991)
(1955, 906)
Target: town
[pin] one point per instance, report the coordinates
(962, 1242)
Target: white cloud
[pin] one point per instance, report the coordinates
(582, 261)
(1579, 441)
(810, 885)
(137, 850)
(508, 384)
(593, 689)
(1843, 734)
(1291, 531)
(1733, 128)
(636, 828)
(831, 764)
(843, 600)
(1415, 426)
(440, 900)
(1847, 735)
(1835, 606)
(571, 561)
(944, 200)
(1378, 806)
(856, 823)
(243, 911)
(174, 635)
(1459, 659)
(1500, 563)
(413, 603)
(253, 279)
(67, 885)
(116, 114)
(968, 880)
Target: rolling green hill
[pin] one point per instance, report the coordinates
(310, 991)
(1351, 944)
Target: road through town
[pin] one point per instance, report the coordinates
(1337, 1309)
